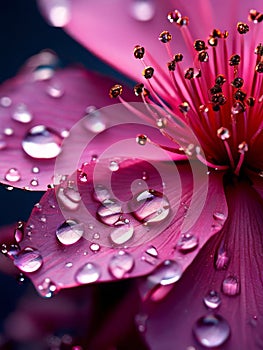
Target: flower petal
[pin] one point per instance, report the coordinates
(113, 221)
(112, 29)
(38, 108)
(236, 302)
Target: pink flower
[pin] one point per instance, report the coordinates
(183, 193)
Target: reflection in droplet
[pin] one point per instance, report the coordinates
(142, 10)
(70, 232)
(94, 120)
(166, 273)
(109, 212)
(121, 264)
(59, 12)
(122, 233)
(28, 260)
(47, 288)
(231, 285)
(187, 243)
(13, 175)
(211, 331)
(150, 206)
(22, 114)
(42, 142)
(88, 273)
(212, 299)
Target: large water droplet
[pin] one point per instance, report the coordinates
(101, 193)
(13, 175)
(22, 114)
(58, 12)
(121, 264)
(212, 299)
(47, 288)
(109, 212)
(166, 273)
(211, 331)
(142, 10)
(231, 286)
(69, 198)
(122, 233)
(70, 232)
(94, 121)
(42, 142)
(28, 260)
(88, 273)
(187, 243)
(150, 206)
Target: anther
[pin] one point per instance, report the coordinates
(223, 133)
(250, 101)
(212, 41)
(148, 72)
(259, 50)
(138, 52)
(240, 95)
(141, 139)
(255, 16)
(171, 65)
(139, 89)
(203, 56)
(238, 107)
(218, 99)
(183, 21)
(115, 91)
(199, 45)
(237, 83)
(189, 73)
(259, 67)
(178, 57)
(174, 16)
(242, 147)
(184, 107)
(234, 60)
(216, 89)
(165, 37)
(220, 79)
(242, 28)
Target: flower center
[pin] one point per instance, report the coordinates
(219, 97)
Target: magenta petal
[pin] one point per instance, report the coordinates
(112, 29)
(228, 295)
(38, 108)
(77, 236)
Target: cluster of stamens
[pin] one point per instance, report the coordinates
(215, 98)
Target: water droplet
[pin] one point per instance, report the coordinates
(83, 177)
(94, 247)
(70, 232)
(222, 259)
(187, 243)
(114, 166)
(13, 175)
(122, 233)
(8, 131)
(166, 273)
(35, 170)
(13, 250)
(94, 121)
(109, 212)
(152, 251)
(19, 232)
(69, 265)
(59, 13)
(22, 114)
(121, 264)
(145, 176)
(47, 288)
(55, 91)
(231, 286)
(5, 101)
(141, 140)
(211, 330)
(219, 216)
(21, 278)
(150, 206)
(34, 182)
(42, 142)
(88, 273)
(212, 299)
(68, 198)
(28, 260)
(65, 133)
(101, 193)
(142, 10)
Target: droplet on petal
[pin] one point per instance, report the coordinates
(211, 331)
(212, 299)
(47, 288)
(68, 198)
(101, 193)
(187, 243)
(13, 175)
(142, 10)
(5, 101)
(8, 131)
(94, 120)
(114, 166)
(42, 142)
(109, 212)
(122, 233)
(22, 114)
(69, 232)
(28, 260)
(219, 216)
(88, 273)
(231, 286)
(166, 273)
(121, 264)
(55, 91)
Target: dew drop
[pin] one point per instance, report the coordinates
(59, 12)
(42, 142)
(222, 260)
(231, 286)
(19, 232)
(101, 193)
(114, 166)
(141, 140)
(68, 265)
(28, 260)
(122, 233)
(109, 212)
(69, 232)
(166, 273)
(211, 330)
(94, 120)
(187, 243)
(212, 299)
(121, 264)
(88, 273)
(94, 247)
(68, 198)
(13, 175)
(34, 182)
(55, 91)
(8, 131)
(219, 216)
(35, 170)
(142, 10)
(47, 288)
(5, 101)
(152, 251)
(22, 114)
(13, 250)
(150, 206)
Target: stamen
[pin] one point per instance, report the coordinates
(224, 134)
(242, 148)
(115, 91)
